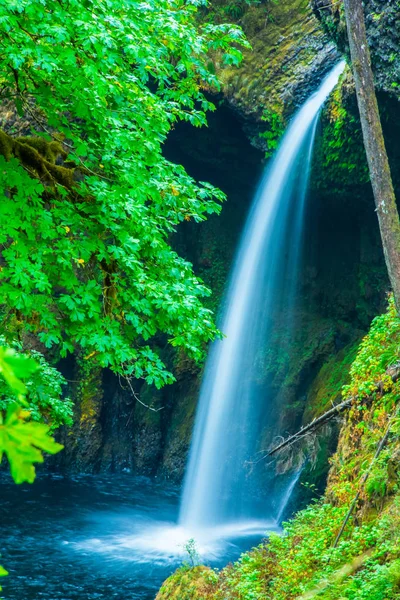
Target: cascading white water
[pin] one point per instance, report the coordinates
(217, 488)
(286, 497)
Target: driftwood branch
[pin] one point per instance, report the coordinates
(393, 372)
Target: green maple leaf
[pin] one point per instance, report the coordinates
(23, 443)
(3, 573)
(14, 367)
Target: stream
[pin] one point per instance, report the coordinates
(97, 538)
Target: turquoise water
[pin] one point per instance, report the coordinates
(94, 538)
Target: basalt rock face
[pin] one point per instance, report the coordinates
(289, 51)
(290, 54)
(342, 286)
(382, 19)
(113, 430)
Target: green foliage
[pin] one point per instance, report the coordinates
(376, 484)
(89, 204)
(3, 573)
(42, 388)
(327, 386)
(197, 583)
(379, 350)
(21, 440)
(192, 552)
(236, 8)
(302, 563)
(341, 151)
(274, 132)
(13, 368)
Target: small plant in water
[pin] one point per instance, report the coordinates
(191, 549)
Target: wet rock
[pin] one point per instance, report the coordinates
(290, 54)
(382, 19)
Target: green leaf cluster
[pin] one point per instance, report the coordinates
(275, 129)
(15, 367)
(23, 441)
(89, 201)
(42, 390)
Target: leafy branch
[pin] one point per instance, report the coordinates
(21, 440)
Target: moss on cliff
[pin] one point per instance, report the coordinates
(382, 19)
(282, 49)
(289, 54)
(326, 388)
(340, 154)
(83, 440)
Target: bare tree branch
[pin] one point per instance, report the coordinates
(137, 398)
(393, 372)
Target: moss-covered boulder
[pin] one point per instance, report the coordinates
(197, 583)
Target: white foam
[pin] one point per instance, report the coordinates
(166, 542)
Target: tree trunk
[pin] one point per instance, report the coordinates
(374, 143)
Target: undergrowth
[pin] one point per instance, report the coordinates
(304, 563)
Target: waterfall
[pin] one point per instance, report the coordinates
(286, 497)
(218, 489)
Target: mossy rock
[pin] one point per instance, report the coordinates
(83, 441)
(327, 386)
(382, 20)
(289, 54)
(197, 583)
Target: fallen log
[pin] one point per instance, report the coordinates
(333, 412)
(393, 372)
